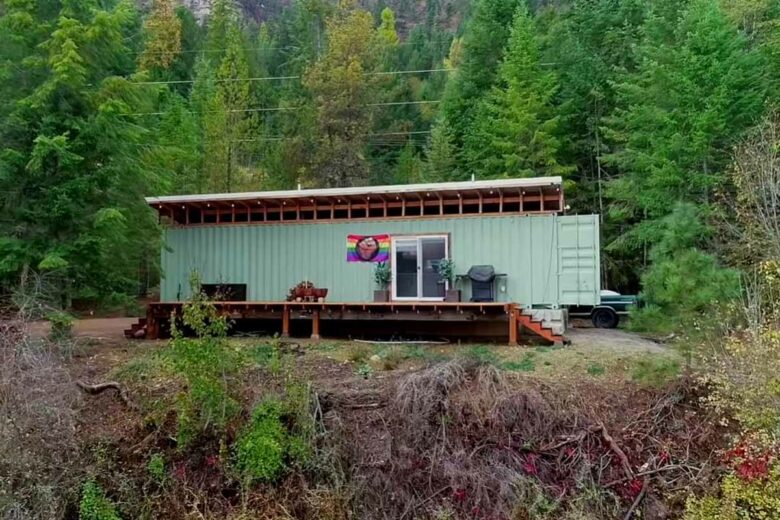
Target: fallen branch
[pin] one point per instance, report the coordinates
(616, 450)
(102, 387)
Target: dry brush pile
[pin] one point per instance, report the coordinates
(464, 440)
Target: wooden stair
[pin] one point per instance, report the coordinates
(137, 330)
(536, 327)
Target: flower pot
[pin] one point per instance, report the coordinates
(381, 295)
(452, 295)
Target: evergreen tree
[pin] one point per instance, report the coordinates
(73, 158)
(482, 51)
(163, 36)
(697, 87)
(516, 129)
(342, 93)
(440, 155)
(386, 33)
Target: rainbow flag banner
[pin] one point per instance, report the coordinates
(368, 248)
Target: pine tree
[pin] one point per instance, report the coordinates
(74, 161)
(440, 155)
(516, 129)
(482, 51)
(342, 93)
(386, 33)
(163, 36)
(698, 86)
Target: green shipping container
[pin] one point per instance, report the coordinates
(548, 260)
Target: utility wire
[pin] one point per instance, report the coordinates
(273, 78)
(261, 48)
(276, 109)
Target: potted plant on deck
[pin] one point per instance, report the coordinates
(446, 270)
(382, 277)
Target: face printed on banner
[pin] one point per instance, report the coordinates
(367, 248)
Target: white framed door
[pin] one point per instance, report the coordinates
(414, 262)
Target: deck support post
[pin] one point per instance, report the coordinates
(152, 325)
(315, 324)
(513, 326)
(285, 321)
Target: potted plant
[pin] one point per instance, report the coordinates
(382, 277)
(446, 270)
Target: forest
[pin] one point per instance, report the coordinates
(639, 105)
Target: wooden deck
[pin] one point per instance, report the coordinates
(438, 318)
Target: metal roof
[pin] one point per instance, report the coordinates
(532, 182)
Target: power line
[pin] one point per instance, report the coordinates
(274, 78)
(276, 109)
(262, 48)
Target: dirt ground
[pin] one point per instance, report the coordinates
(614, 340)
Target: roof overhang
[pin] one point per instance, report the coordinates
(525, 195)
(362, 191)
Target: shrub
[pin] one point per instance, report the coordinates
(365, 371)
(260, 446)
(740, 498)
(156, 468)
(595, 369)
(206, 362)
(279, 433)
(683, 283)
(94, 504)
(61, 326)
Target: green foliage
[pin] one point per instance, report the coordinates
(260, 447)
(483, 354)
(342, 92)
(278, 435)
(595, 369)
(655, 371)
(684, 283)
(739, 498)
(526, 364)
(61, 326)
(382, 275)
(207, 363)
(94, 504)
(516, 132)
(365, 371)
(156, 467)
(446, 270)
(357, 352)
(697, 86)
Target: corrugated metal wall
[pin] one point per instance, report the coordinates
(270, 258)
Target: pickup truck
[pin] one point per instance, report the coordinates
(605, 315)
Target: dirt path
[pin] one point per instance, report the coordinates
(614, 340)
(109, 330)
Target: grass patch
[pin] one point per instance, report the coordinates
(263, 353)
(596, 369)
(392, 356)
(526, 364)
(483, 354)
(358, 352)
(655, 372)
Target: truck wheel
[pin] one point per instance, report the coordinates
(604, 318)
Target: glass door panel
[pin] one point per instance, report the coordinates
(405, 261)
(433, 250)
